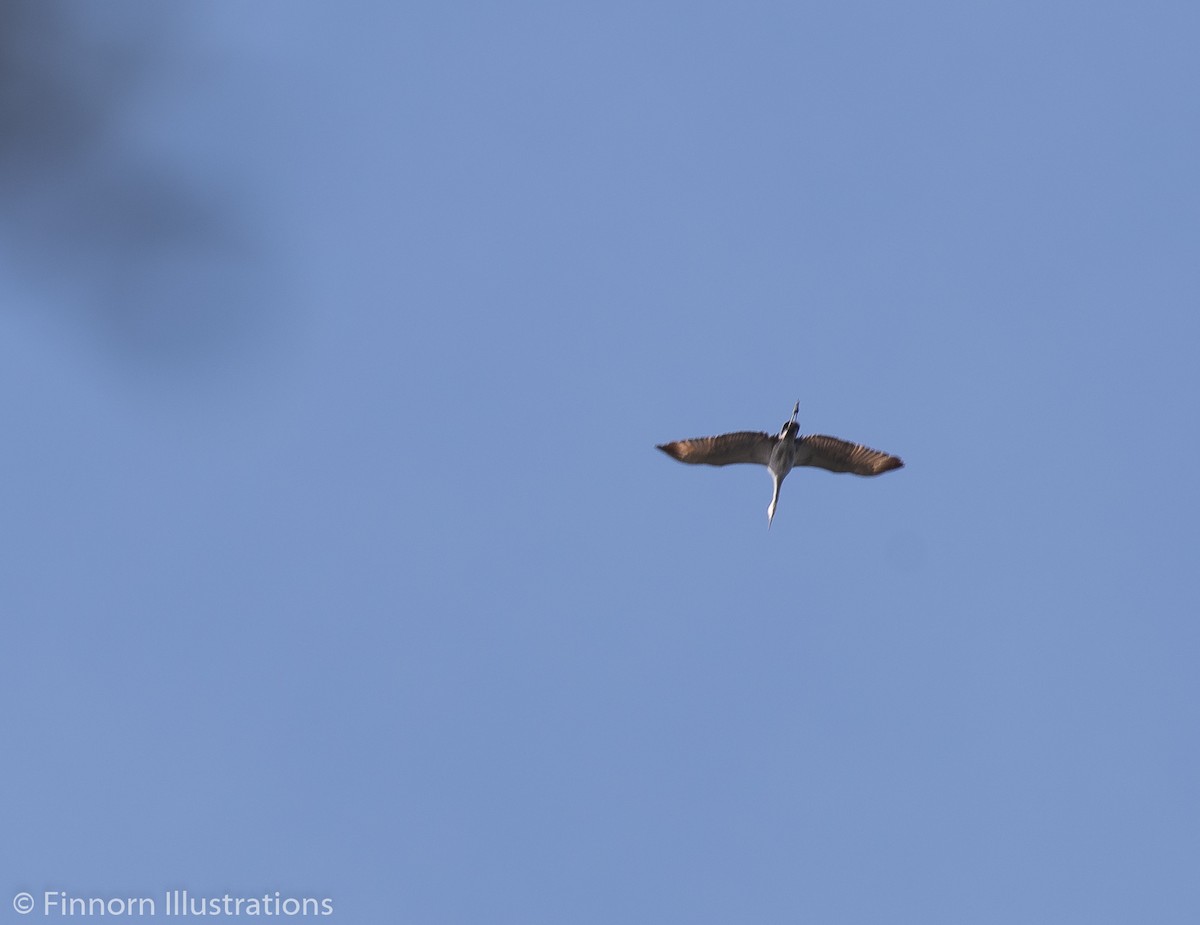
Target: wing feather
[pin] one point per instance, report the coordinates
(744, 446)
(842, 456)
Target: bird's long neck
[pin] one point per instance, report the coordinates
(778, 481)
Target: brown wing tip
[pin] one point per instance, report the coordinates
(674, 450)
(892, 462)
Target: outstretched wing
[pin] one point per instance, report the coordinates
(745, 446)
(840, 456)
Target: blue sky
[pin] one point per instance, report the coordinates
(338, 559)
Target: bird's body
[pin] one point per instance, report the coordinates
(781, 453)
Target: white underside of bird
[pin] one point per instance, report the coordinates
(783, 458)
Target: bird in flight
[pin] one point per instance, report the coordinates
(781, 453)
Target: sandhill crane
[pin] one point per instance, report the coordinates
(781, 453)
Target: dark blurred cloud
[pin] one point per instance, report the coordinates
(156, 252)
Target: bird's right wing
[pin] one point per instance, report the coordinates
(745, 446)
(842, 456)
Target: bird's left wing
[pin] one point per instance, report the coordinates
(745, 446)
